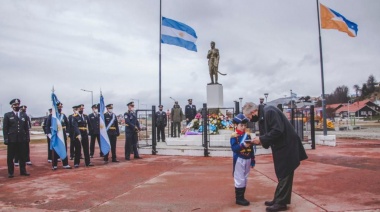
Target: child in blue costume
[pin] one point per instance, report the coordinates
(244, 157)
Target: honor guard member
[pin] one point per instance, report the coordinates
(81, 137)
(132, 128)
(71, 133)
(65, 128)
(44, 127)
(112, 127)
(15, 131)
(28, 162)
(190, 111)
(161, 122)
(94, 130)
(262, 101)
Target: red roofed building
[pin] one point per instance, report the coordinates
(360, 109)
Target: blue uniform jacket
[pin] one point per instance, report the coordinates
(131, 122)
(240, 151)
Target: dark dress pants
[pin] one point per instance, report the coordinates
(131, 145)
(16, 149)
(78, 148)
(283, 191)
(72, 147)
(113, 139)
(160, 132)
(177, 128)
(92, 145)
(49, 151)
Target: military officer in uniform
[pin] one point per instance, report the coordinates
(190, 111)
(65, 128)
(44, 127)
(79, 123)
(161, 122)
(71, 133)
(28, 162)
(93, 128)
(112, 127)
(132, 128)
(15, 132)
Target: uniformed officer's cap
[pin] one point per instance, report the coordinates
(95, 106)
(190, 100)
(15, 101)
(160, 106)
(75, 106)
(261, 98)
(176, 102)
(59, 104)
(23, 106)
(110, 106)
(240, 118)
(131, 103)
(80, 106)
(50, 109)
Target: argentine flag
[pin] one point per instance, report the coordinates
(178, 34)
(105, 145)
(57, 141)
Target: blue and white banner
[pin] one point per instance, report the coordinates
(178, 34)
(57, 141)
(105, 145)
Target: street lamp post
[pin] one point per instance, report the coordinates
(240, 102)
(138, 103)
(291, 98)
(92, 96)
(266, 96)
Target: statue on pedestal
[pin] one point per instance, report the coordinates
(213, 63)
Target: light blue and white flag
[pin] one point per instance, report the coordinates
(178, 34)
(57, 141)
(105, 145)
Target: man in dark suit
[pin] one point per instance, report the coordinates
(132, 128)
(161, 122)
(71, 133)
(93, 128)
(190, 111)
(79, 123)
(112, 127)
(287, 149)
(65, 128)
(15, 131)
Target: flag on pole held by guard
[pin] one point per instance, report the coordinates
(105, 145)
(178, 34)
(57, 141)
(331, 19)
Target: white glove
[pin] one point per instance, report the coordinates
(49, 135)
(67, 134)
(79, 137)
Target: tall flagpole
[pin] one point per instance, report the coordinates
(323, 81)
(159, 59)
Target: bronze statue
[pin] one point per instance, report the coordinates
(213, 63)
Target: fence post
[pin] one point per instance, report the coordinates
(205, 130)
(154, 142)
(312, 127)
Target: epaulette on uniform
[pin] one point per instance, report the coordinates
(75, 115)
(234, 134)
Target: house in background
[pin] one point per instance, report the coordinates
(363, 108)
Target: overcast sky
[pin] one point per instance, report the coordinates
(265, 46)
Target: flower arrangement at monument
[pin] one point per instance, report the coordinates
(216, 123)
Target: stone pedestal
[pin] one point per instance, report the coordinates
(214, 96)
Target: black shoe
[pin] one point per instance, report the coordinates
(138, 158)
(127, 159)
(115, 161)
(269, 203)
(76, 166)
(240, 200)
(90, 164)
(163, 141)
(158, 141)
(25, 174)
(10, 175)
(277, 207)
(91, 156)
(54, 168)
